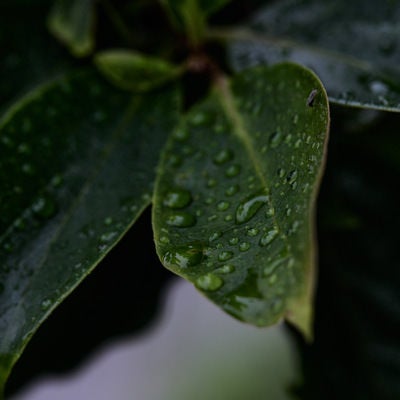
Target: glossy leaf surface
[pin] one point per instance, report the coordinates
(353, 46)
(77, 164)
(134, 71)
(235, 193)
(72, 22)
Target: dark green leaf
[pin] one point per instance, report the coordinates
(29, 54)
(134, 71)
(357, 329)
(235, 194)
(353, 46)
(187, 16)
(72, 22)
(77, 168)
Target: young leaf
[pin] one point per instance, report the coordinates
(77, 161)
(235, 194)
(72, 22)
(353, 46)
(131, 70)
(190, 15)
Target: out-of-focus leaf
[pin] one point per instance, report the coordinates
(72, 22)
(135, 71)
(353, 46)
(356, 353)
(235, 193)
(29, 54)
(77, 161)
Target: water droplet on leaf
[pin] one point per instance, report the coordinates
(183, 257)
(249, 207)
(268, 237)
(223, 156)
(177, 198)
(225, 255)
(209, 282)
(181, 219)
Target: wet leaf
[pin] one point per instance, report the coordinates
(72, 22)
(135, 71)
(234, 197)
(353, 46)
(77, 168)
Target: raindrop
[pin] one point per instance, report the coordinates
(225, 255)
(24, 148)
(8, 247)
(234, 241)
(225, 269)
(45, 304)
(275, 139)
(212, 218)
(268, 237)
(108, 236)
(223, 157)
(271, 267)
(181, 134)
(164, 240)
(232, 190)
(378, 88)
(281, 172)
(270, 212)
(252, 232)
(56, 181)
(228, 218)
(175, 160)
(273, 278)
(108, 221)
(177, 198)
(215, 236)
(28, 169)
(249, 207)
(199, 118)
(232, 171)
(181, 219)
(209, 200)
(209, 282)
(44, 207)
(183, 256)
(223, 205)
(292, 176)
(244, 246)
(298, 143)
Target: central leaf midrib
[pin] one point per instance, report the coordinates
(239, 129)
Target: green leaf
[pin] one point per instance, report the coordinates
(187, 16)
(353, 46)
(191, 15)
(135, 71)
(357, 348)
(72, 22)
(235, 193)
(77, 168)
(29, 55)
